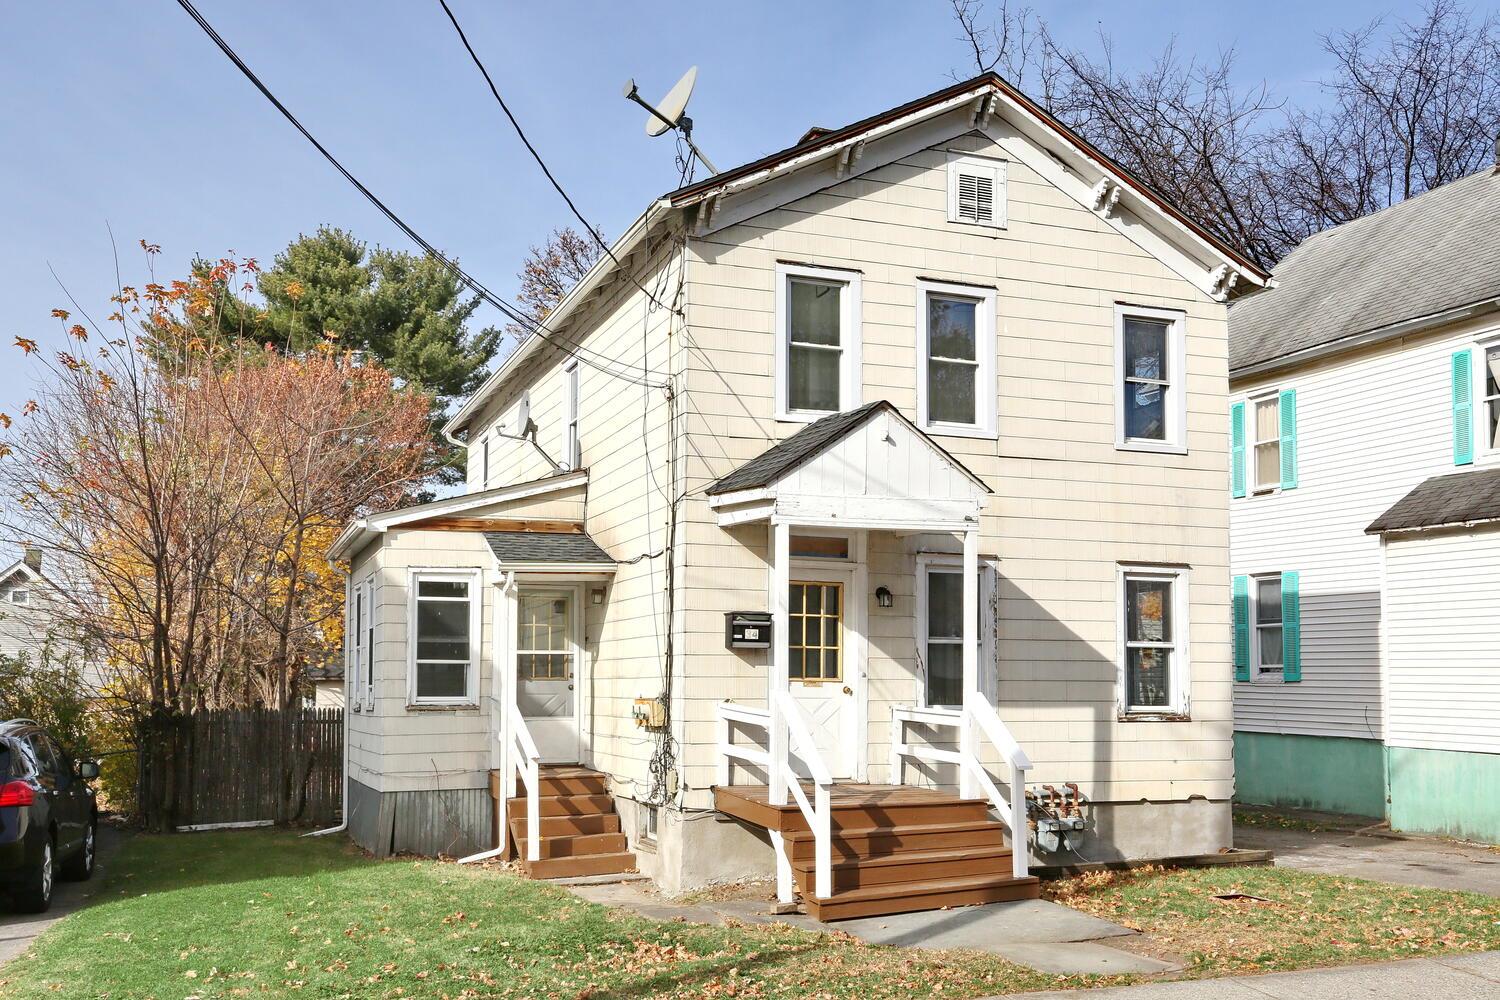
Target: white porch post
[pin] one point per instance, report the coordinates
(777, 681)
(968, 784)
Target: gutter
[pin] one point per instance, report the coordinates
(559, 316)
(1391, 331)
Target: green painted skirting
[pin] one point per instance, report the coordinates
(1445, 792)
(1327, 773)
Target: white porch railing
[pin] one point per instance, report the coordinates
(786, 730)
(977, 718)
(526, 763)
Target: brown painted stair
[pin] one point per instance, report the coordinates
(579, 828)
(896, 849)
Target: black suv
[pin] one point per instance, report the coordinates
(49, 821)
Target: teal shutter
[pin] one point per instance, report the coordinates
(1463, 408)
(1291, 628)
(1289, 439)
(1237, 450)
(1240, 606)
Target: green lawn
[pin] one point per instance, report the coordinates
(1295, 920)
(261, 913)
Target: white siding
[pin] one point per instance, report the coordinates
(1370, 426)
(1443, 637)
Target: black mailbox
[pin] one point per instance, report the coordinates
(747, 629)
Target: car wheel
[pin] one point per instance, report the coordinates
(34, 894)
(80, 866)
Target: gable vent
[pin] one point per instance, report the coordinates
(976, 198)
(976, 191)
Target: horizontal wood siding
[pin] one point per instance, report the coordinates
(1371, 425)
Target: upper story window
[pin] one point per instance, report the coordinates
(956, 390)
(1263, 443)
(484, 464)
(1154, 662)
(976, 191)
(1490, 406)
(817, 343)
(20, 596)
(445, 632)
(1267, 444)
(1150, 411)
(572, 451)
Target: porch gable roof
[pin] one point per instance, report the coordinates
(534, 547)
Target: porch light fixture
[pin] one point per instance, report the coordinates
(596, 595)
(883, 597)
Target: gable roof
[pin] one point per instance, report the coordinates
(984, 93)
(546, 547)
(1421, 258)
(19, 566)
(809, 442)
(1456, 498)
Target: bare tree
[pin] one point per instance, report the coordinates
(1012, 41)
(551, 270)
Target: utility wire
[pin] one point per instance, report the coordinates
(588, 226)
(604, 364)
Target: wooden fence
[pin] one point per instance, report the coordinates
(257, 765)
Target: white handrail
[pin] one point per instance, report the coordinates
(819, 812)
(980, 714)
(727, 715)
(528, 767)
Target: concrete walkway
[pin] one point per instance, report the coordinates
(1458, 977)
(1422, 861)
(18, 930)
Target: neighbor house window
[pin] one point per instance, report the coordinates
(1266, 454)
(1265, 608)
(956, 391)
(444, 638)
(816, 640)
(572, 453)
(20, 596)
(1153, 641)
(1491, 409)
(1149, 357)
(976, 191)
(817, 349)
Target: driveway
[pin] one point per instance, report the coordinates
(18, 930)
(1423, 861)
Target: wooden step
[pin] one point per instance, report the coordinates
(559, 780)
(568, 826)
(907, 867)
(854, 807)
(861, 843)
(588, 864)
(910, 897)
(565, 805)
(580, 844)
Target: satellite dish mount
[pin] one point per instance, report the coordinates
(669, 113)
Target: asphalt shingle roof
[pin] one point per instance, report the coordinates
(773, 463)
(1457, 498)
(1437, 251)
(546, 547)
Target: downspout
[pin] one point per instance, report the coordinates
(497, 692)
(344, 796)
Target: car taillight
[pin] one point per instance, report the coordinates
(16, 793)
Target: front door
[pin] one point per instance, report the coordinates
(547, 660)
(820, 668)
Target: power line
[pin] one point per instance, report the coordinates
(588, 226)
(606, 365)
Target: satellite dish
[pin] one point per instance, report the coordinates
(670, 108)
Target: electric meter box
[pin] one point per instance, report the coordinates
(747, 629)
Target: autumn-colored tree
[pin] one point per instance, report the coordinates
(550, 271)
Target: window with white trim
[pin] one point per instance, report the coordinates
(572, 453)
(20, 596)
(1268, 651)
(1490, 407)
(1153, 641)
(368, 669)
(956, 390)
(354, 647)
(940, 617)
(817, 346)
(1265, 443)
(1150, 411)
(444, 637)
(976, 191)
(484, 468)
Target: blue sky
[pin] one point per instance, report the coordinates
(120, 114)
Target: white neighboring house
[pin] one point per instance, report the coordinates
(932, 514)
(1366, 518)
(29, 624)
(327, 684)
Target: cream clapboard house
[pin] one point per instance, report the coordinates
(862, 487)
(1366, 482)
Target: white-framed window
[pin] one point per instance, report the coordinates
(976, 191)
(443, 653)
(819, 545)
(1267, 645)
(572, 452)
(359, 665)
(1154, 667)
(1150, 397)
(940, 617)
(484, 464)
(817, 341)
(20, 596)
(956, 389)
(1265, 443)
(1488, 412)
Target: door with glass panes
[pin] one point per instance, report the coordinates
(820, 667)
(548, 643)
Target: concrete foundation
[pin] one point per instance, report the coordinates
(1130, 831)
(697, 849)
(1445, 792)
(1326, 773)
